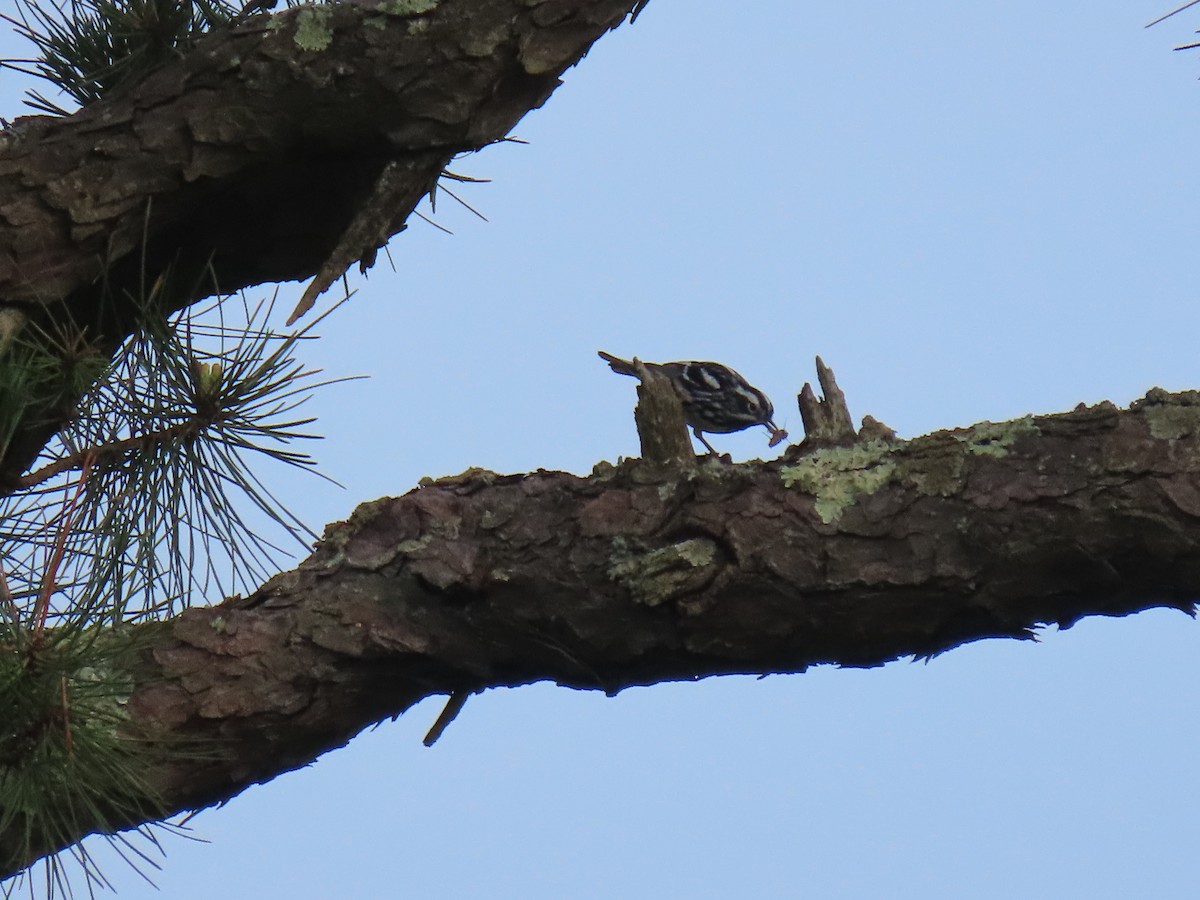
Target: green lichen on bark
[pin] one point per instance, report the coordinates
(313, 30)
(1170, 422)
(407, 7)
(838, 476)
(653, 577)
(937, 463)
(995, 438)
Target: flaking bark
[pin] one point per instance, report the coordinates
(851, 556)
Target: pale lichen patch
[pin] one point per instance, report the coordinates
(653, 577)
(1172, 422)
(995, 438)
(313, 30)
(407, 7)
(837, 477)
(411, 545)
(111, 686)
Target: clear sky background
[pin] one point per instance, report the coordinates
(972, 211)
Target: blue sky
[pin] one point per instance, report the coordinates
(971, 211)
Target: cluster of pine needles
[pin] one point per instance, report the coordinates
(88, 49)
(148, 500)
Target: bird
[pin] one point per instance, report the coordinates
(715, 398)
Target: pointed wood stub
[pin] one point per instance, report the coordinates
(826, 420)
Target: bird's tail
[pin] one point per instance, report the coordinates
(618, 365)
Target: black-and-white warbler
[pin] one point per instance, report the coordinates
(715, 398)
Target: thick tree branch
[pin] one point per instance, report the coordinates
(247, 160)
(642, 573)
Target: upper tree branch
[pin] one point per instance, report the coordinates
(644, 573)
(245, 161)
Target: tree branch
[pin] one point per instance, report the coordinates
(249, 159)
(851, 556)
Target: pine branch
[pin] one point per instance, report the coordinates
(208, 160)
(641, 573)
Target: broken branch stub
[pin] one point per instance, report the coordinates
(658, 415)
(826, 420)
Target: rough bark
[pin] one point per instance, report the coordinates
(851, 555)
(644, 573)
(248, 160)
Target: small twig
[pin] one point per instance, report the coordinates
(252, 7)
(111, 450)
(470, 179)
(450, 711)
(6, 596)
(66, 522)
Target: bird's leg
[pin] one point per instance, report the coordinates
(700, 437)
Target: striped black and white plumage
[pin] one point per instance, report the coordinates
(715, 398)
